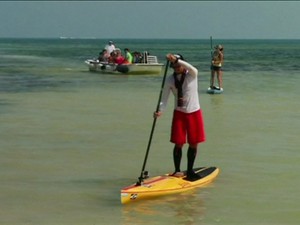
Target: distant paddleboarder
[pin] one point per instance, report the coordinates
(216, 67)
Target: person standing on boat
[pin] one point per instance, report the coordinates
(187, 123)
(216, 67)
(128, 56)
(110, 47)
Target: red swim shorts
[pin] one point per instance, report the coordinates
(187, 127)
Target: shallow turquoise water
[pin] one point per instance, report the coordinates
(70, 140)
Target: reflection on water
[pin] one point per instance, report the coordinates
(186, 208)
(217, 101)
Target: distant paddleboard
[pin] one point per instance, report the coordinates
(216, 90)
(167, 184)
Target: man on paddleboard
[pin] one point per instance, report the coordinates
(187, 123)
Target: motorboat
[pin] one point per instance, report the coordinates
(147, 65)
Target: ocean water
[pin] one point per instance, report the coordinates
(71, 139)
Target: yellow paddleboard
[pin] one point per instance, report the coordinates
(166, 184)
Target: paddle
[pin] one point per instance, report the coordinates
(211, 47)
(211, 54)
(141, 178)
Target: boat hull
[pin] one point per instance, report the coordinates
(130, 69)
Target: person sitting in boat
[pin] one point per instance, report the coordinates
(110, 47)
(137, 57)
(119, 59)
(128, 56)
(112, 57)
(103, 56)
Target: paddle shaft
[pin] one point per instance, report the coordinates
(211, 47)
(153, 125)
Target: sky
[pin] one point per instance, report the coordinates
(151, 19)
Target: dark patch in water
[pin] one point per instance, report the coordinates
(3, 105)
(18, 82)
